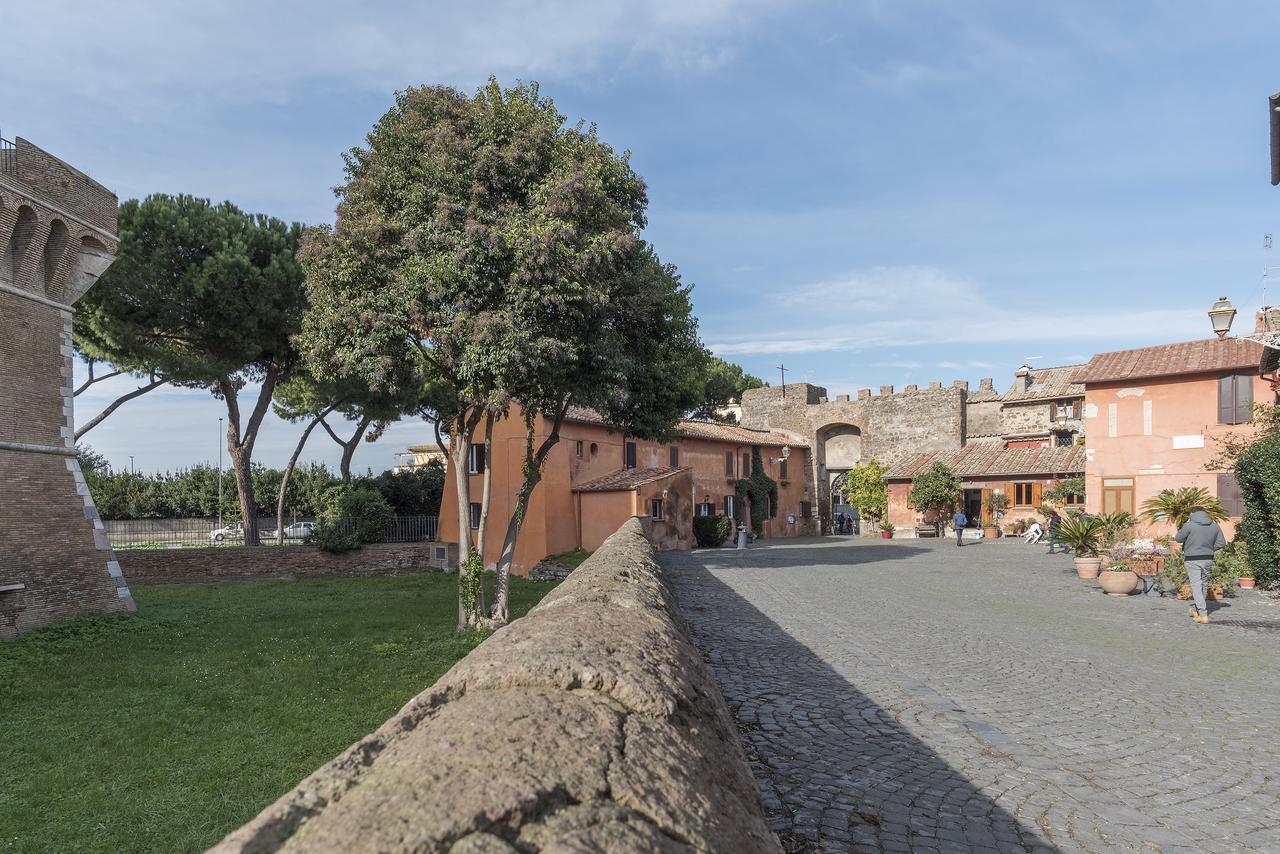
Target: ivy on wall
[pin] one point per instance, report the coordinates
(759, 491)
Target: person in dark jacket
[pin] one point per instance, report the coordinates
(1201, 538)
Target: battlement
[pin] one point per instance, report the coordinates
(61, 186)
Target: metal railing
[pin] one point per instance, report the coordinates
(191, 533)
(8, 156)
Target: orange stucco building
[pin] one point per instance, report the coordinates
(1156, 416)
(595, 479)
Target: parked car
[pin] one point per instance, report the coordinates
(296, 531)
(233, 531)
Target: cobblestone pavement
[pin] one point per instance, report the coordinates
(912, 696)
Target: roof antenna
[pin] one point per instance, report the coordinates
(1266, 267)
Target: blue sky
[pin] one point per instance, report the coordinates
(869, 192)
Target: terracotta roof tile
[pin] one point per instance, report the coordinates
(624, 479)
(991, 458)
(707, 430)
(1046, 384)
(1187, 357)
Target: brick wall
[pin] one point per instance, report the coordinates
(246, 563)
(65, 186)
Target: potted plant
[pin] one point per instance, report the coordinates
(886, 530)
(1083, 534)
(1246, 579)
(1116, 578)
(996, 505)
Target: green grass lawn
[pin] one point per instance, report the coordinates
(571, 559)
(165, 730)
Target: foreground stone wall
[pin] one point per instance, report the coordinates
(246, 563)
(591, 724)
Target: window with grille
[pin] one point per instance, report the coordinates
(474, 511)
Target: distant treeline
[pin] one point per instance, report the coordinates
(193, 492)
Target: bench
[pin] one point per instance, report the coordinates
(926, 531)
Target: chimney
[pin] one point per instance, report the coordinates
(886, 389)
(864, 393)
(1024, 374)
(986, 384)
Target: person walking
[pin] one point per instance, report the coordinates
(961, 521)
(1055, 523)
(1201, 538)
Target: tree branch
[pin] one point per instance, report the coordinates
(92, 379)
(124, 398)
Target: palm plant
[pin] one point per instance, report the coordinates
(1116, 527)
(1175, 506)
(1082, 534)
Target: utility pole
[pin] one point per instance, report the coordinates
(132, 470)
(1266, 267)
(783, 368)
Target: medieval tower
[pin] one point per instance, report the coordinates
(57, 235)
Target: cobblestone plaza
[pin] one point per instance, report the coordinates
(912, 696)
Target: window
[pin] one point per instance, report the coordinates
(746, 465)
(655, 508)
(1065, 409)
(1229, 494)
(1064, 439)
(1074, 500)
(1235, 399)
(706, 509)
(675, 457)
(577, 449)
(630, 455)
(731, 506)
(806, 509)
(475, 459)
(728, 463)
(475, 515)
(1117, 495)
(1023, 494)
(782, 469)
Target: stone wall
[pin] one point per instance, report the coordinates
(64, 186)
(591, 724)
(248, 563)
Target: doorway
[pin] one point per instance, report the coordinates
(973, 506)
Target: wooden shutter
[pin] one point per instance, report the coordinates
(675, 457)
(988, 518)
(1229, 494)
(728, 463)
(1243, 399)
(1226, 400)
(1036, 493)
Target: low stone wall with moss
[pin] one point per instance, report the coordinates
(590, 724)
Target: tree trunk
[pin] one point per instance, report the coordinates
(348, 446)
(485, 490)
(464, 427)
(532, 477)
(288, 473)
(240, 446)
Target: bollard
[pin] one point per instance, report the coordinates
(742, 536)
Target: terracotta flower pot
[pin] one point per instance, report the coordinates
(887, 535)
(990, 533)
(1246, 583)
(1146, 568)
(1088, 567)
(1118, 583)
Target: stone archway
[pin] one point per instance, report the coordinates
(837, 449)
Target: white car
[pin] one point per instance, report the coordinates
(230, 532)
(296, 531)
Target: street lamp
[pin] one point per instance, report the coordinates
(219, 473)
(1221, 315)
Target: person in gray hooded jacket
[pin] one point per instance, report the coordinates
(1201, 538)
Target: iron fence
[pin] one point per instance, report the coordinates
(127, 534)
(8, 156)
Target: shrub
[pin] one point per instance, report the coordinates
(759, 491)
(352, 516)
(710, 532)
(1258, 472)
(936, 489)
(1082, 534)
(1175, 506)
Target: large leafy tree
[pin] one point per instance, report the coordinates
(936, 490)
(207, 296)
(867, 491)
(723, 383)
(481, 239)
